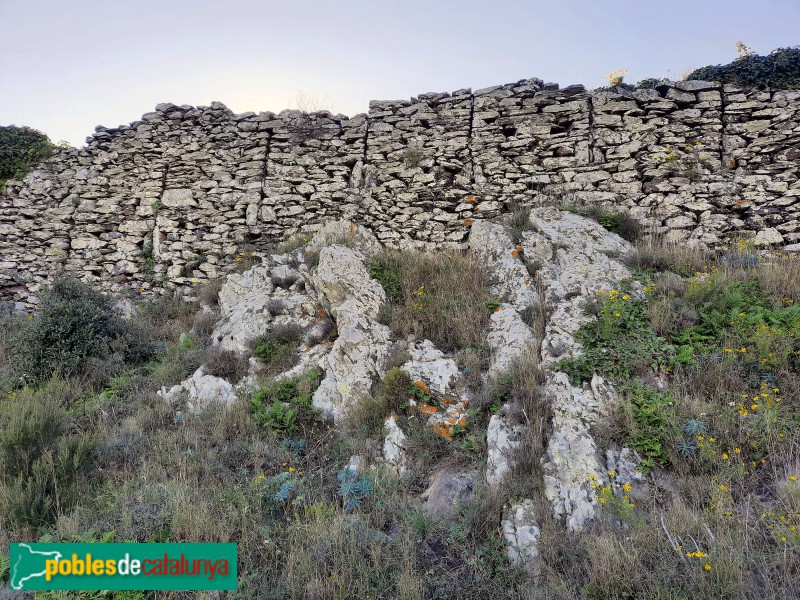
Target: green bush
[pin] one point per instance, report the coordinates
(41, 460)
(619, 343)
(651, 427)
(77, 331)
(780, 69)
(277, 347)
(382, 269)
(21, 148)
(284, 405)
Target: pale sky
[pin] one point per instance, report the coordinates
(68, 65)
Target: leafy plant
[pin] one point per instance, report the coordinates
(354, 489)
(619, 343)
(780, 69)
(20, 149)
(651, 424)
(76, 329)
(284, 404)
(694, 427)
(381, 270)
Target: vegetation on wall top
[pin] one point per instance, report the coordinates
(779, 69)
(20, 149)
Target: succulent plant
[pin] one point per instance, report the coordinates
(695, 426)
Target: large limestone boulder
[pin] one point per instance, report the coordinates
(358, 356)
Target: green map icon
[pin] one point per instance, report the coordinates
(28, 564)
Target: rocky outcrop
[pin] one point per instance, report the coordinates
(584, 260)
(503, 437)
(395, 447)
(269, 294)
(200, 391)
(522, 535)
(358, 356)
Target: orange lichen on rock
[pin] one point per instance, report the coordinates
(427, 409)
(515, 252)
(442, 431)
(469, 222)
(425, 389)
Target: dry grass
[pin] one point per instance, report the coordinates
(441, 297)
(655, 254)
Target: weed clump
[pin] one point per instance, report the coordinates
(441, 297)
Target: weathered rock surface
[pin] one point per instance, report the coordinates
(448, 489)
(201, 391)
(430, 365)
(252, 302)
(358, 356)
(395, 450)
(509, 338)
(503, 437)
(522, 534)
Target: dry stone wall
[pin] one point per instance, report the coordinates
(174, 198)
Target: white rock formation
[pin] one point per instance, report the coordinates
(509, 338)
(251, 302)
(583, 262)
(503, 437)
(395, 451)
(522, 534)
(201, 390)
(429, 365)
(494, 247)
(358, 356)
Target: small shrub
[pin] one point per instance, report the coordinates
(76, 330)
(412, 157)
(275, 306)
(226, 364)
(520, 222)
(618, 222)
(397, 388)
(277, 348)
(20, 149)
(780, 69)
(41, 461)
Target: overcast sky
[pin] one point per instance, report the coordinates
(68, 65)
